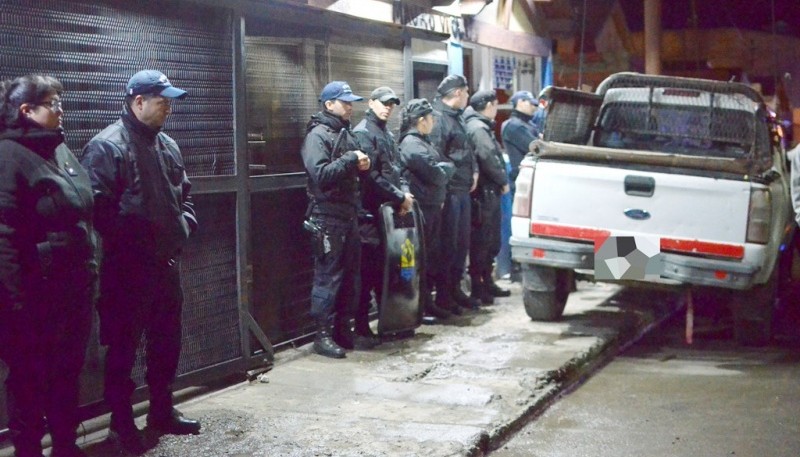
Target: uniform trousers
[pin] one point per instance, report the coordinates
(140, 297)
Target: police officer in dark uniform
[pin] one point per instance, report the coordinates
(518, 132)
(449, 137)
(492, 183)
(333, 163)
(144, 216)
(382, 184)
(427, 174)
(48, 267)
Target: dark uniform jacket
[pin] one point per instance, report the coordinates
(383, 182)
(423, 168)
(449, 137)
(332, 166)
(491, 165)
(517, 136)
(47, 242)
(141, 191)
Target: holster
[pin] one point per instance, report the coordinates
(475, 209)
(317, 235)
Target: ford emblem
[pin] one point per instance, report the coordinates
(637, 214)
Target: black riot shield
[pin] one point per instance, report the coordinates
(400, 309)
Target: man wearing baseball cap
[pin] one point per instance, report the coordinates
(381, 185)
(144, 215)
(517, 131)
(334, 164)
(492, 184)
(449, 137)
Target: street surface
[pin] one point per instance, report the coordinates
(663, 398)
(451, 390)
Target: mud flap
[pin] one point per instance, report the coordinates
(400, 309)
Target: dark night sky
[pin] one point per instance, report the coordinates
(743, 14)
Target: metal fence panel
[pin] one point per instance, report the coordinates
(93, 49)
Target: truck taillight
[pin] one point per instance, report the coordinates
(759, 216)
(524, 193)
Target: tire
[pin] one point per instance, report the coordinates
(549, 306)
(753, 311)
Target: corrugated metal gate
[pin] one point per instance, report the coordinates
(93, 49)
(285, 75)
(367, 63)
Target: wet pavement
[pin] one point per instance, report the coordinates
(663, 397)
(450, 390)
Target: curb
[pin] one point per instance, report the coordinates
(558, 383)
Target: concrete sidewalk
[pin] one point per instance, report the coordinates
(450, 390)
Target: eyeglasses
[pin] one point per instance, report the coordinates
(54, 105)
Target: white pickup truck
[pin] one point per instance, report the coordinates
(693, 164)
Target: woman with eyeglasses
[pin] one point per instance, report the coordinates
(48, 267)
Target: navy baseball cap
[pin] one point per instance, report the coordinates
(153, 82)
(522, 95)
(338, 90)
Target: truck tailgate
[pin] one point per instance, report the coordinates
(630, 202)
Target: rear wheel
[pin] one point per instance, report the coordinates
(547, 305)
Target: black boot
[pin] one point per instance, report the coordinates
(479, 292)
(124, 434)
(430, 311)
(64, 436)
(324, 344)
(445, 303)
(364, 338)
(463, 300)
(172, 423)
(493, 289)
(342, 333)
(27, 448)
(69, 450)
(433, 310)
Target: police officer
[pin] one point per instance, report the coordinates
(492, 183)
(518, 132)
(144, 216)
(333, 163)
(449, 137)
(48, 267)
(381, 185)
(427, 174)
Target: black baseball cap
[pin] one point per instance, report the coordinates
(384, 94)
(482, 96)
(418, 108)
(451, 83)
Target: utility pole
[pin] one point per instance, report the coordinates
(652, 37)
(583, 41)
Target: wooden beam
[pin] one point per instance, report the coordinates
(508, 7)
(535, 17)
(494, 36)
